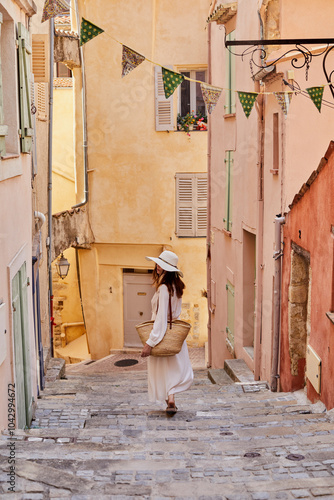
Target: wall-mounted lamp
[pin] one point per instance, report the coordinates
(62, 266)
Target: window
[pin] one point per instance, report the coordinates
(275, 168)
(190, 97)
(9, 139)
(230, 78)
(229, 190)
(63, 71)
(191, 205)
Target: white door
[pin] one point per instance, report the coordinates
(138, 292)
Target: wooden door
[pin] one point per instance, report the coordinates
(23, 389)
(138, 292)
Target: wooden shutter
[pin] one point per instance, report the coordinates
(230, 78)
(185, 222)
(229, 190)
(26, 130)
(41, 102)
(230, 315)
(191, 204)
(201, 182)
(34, 142)
(163, 106)
(40, 58)
(3, 128)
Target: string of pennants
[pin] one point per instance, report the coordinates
(171, 79)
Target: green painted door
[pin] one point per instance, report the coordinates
(23, 386)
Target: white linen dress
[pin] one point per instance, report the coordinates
(166, 374)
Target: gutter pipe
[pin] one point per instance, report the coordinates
(278, 253)
(208, 258)
(84, 117)
(49, 238)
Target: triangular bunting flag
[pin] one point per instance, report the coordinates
(210, 95)
(171, 81)
(316, 94)
(284, 99)
(247, 100)
(88, 31)
(54, 7)
(130, 60)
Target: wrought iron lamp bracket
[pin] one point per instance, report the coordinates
(256, 48)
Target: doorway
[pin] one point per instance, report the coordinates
(249, 290)
(138, 292)
(299, 308)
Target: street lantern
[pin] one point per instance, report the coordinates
(63, 266)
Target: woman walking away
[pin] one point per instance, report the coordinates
(167, 375)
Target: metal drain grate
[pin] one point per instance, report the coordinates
(126, 362)
(255, 387)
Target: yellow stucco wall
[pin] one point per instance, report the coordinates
(67, 307)
(132, 166)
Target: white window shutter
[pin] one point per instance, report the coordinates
(40, 58)
(201, 205)
(185, 221)
(163, 106)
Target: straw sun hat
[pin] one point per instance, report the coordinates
(168, 261)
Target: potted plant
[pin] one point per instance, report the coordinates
(191, 121)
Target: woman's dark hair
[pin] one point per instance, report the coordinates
(171, 280)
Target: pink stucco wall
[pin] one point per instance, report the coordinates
(309, 224)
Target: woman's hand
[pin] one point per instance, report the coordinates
(146, 351)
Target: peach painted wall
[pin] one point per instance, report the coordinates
(309, 224)
(303, 136)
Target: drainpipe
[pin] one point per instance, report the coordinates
(84, 117)
(41, 219)
(209, 215)
(278, 253)
(259, 232)
(49, 239)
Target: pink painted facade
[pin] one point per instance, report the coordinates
(309, 226)
(272, 157)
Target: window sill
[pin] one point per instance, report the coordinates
(9, 156)
(227, 233)
(274, 171)
(229, 115)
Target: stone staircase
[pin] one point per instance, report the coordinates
(96, 436)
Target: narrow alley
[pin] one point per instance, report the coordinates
(95, 435)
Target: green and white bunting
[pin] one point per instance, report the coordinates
(316, 94)
(88, 31)
(284, 99)
(171, 81)
(247, 100)
(53, 8)
(130, 60)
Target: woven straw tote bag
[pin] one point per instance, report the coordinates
(172, 341)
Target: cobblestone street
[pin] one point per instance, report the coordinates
(95, 435)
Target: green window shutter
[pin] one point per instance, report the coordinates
(230, 315)
(229, 190)
(24, 51)
(163, 106)
(230, 78)
(3, 128)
